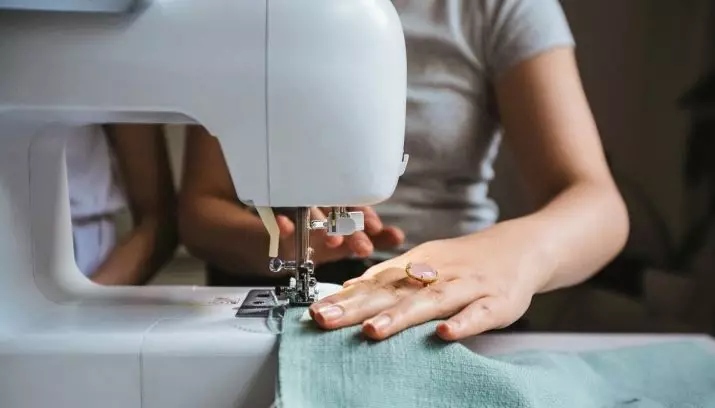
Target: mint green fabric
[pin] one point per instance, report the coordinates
(415, 369)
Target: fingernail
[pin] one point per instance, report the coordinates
(379, 322)
(330, 312)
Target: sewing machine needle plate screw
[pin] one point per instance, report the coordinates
(275, 265)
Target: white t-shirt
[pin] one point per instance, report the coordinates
(94, 192)
(455, 50)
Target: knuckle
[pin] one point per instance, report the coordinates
(370, 281)
(393, 290)
(502, 293)
(510, 298)
(463, 324)
(361, 287)
(403, 286)
(400, 289)
(437, 298)
(495, 314)
(485, 308)
(478, 279)
(436, 294)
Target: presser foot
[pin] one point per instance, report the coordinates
(302, 289)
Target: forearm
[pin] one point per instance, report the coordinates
(226, 235)
(572, 237)
(148, 186)
(137, 258)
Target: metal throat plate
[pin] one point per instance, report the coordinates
(258, 303)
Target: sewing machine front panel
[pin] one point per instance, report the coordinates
(182, 355)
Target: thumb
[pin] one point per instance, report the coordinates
(285, 226)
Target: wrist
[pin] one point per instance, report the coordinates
(522, 244)
(540, 259)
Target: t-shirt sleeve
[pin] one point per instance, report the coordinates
(516, 30)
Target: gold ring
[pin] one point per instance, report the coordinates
(422, 273)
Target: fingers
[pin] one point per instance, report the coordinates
(329, 241)
(382, 273)
(380, 237)
(477, 318)
(285, 226)
(357, 303)
(373, 224)
(360, 244)
(363, 245)
(432, 302)
(388, 238)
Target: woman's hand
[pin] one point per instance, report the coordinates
(486, 281)
(334, 248)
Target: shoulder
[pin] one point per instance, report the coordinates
(516, 30)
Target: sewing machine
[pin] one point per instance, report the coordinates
(307, 98)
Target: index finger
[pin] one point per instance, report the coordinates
(432, 302)
(353, 305)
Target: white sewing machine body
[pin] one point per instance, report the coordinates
(279, 82)
(307, 98)
(301, 94)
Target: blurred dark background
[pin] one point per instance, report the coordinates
(648, 69)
